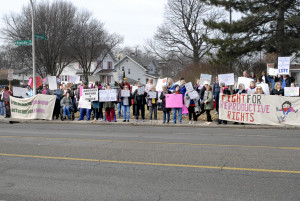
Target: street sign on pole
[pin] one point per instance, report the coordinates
(23, 42)
(40, 36)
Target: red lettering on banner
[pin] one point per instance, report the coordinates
(237, 116)
(228, 115)
(233, 114)
(252, 118)
(247, 114)
(234, 106)
(242, 116)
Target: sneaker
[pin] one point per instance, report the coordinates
(164, 122)
(127, 120)
(136, 120)
(101, 120)
(124, 120)
(193, 122)
(174, 122)
(150, 121)
(143, 120)
(190, 122)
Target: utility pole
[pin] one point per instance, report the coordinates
(33, 49)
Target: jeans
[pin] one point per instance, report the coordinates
(166, 116)
(151, 109)
(179, 110)
(126, 112)
(217, 101)
(120, 109)
(1, 108)
(66, 109)
(82, 113)
(98, 113)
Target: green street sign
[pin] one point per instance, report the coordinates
(23, 42)
(40, 36)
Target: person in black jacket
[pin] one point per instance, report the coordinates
(166, 111)
(223, 90)
(139, 101)
(285, 81)
(264, 78)
(240, 90)
(278, 90)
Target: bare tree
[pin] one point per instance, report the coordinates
(183, 32)
(91, 42)
(54, 20)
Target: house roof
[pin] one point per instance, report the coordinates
(135, 60)
(104, 72)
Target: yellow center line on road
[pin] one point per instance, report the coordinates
(165, 143)
(153, 164)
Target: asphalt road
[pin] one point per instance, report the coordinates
(96, 162)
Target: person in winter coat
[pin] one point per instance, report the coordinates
(264, 77)
(179, 110)
(66, 103)
(278, 90)
(109, 108)
(1, 101)
(98, 106)
(57, 105)
(166, 111)
(139, 100)
(208, 103)
(44, 90)
(216, 92)
(5, 98)
(152, 103)
(223, 90)
(191, 104)
(285, 81)
(259, 90)
(251, 89)
(84, 111)
(126, 103)
(240, 89)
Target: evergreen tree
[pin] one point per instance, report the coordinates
(272, 26)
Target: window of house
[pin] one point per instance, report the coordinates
(79, 66)
(109, 77)
(64, 78)
(122, 68)
(128, 71)
(109, 65)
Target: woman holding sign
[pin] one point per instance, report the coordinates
(278, 90)
(179, 110)
(139, 101)
(109, 108)
(152, 103)
(166, 111)
(208, 103)
(126, 103)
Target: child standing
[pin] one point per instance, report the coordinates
(152, 103)
(109, 108)
(126, 103)
(179, 110)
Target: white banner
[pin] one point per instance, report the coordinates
(20, 92)
(245, 81)
(134, 88)
(37, 107)
(84, 104)
(152, 94)
(74, 79)
(141, 90)
(228, 79)
(189, 87)
(284, 65)
(52, 82)
(194, 95)
(205, 77)
(273, 71)
(125, 93)
(260, 109)
(90, 95)
(161, 83)
(108, 95)
(291, 91)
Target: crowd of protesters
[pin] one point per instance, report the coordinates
(68, 96)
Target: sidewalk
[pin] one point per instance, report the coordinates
(199, 124)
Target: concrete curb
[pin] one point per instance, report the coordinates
(199, 124)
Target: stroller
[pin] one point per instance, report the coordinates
(71, 111)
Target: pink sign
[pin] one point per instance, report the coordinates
(80, 91)
(185, 110)
(174, 101)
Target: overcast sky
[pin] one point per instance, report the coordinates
(136, 20)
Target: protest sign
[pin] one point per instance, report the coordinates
(244, 80)
(141, 90)
(134, 88)
(152, 94)
(260, 109)
(194, 95)
(74, 79)
(125, 93)
(265, 88)
(35, 107)
(203, 78)
(20, 92)
(38, 80)
(185, 110)
(273, 71)
(10, 74)
(228, 79)
(174, 101)
(52, 82)
(84, 104)
(108, 95)
(161, 83)
(284, 65)
(89, 95)
(270, 65)
(189, 87)
(291, 91)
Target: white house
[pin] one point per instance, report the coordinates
(98, 72)
(137, 69)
